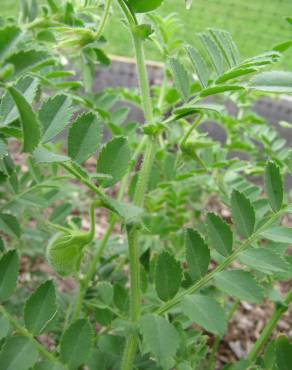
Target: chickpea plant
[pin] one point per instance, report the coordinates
(151, 295)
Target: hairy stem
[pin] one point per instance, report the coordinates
(279, 310)
(222, 266)
(21, 330)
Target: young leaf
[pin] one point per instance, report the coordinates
(181, 78)
(29, 121)
(40, 308)
(283, 353)
(273, 81)
(220, 234)
(206, 312)
(197, 254)
(274, 186)
(10, 225)
(8, 111)
(9, 265)
(18, 353)
(264, 260)
(239, 284)
(200, 66)
(76, 343)
(168, 275)
(54, 116)
(114, 160)
(213, 90)
(142, 6)
(243, 214)
(84, 137)
(280, 234)
(161, 339)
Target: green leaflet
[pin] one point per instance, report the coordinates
(181, 78)
(8, 110)
(168, 275)
(4, 327)
(239, 284)
(273, 81)
(24, 60)
(220, 234)
(9, 265)
(262, 259)
(84, 137)
(54, 116)
(199, 65)
(18, 353)
(114, 160)
(161, 339)
(283, 353)
(9, 36)
(243, 213)
(197, 254)
(29, 121)
(206, 312)
(40, 308)
(142, 6)
(10, 225)
(274, 186)
(43, 155)
(76, 343)
(280, 234)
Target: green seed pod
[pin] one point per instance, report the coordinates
(65, 251)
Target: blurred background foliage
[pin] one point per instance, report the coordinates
(256, 25)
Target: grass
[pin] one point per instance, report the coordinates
(256, 25)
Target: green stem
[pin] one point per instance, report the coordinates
(226, 263)
(22, 331)
(133, 231)
(103, 19)
(269, 327)
(190, 130)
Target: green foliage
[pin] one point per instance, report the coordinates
(153, 272)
